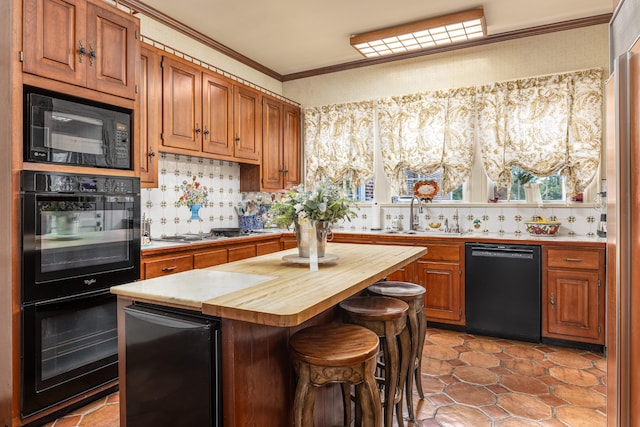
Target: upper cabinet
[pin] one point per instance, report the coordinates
(84, 43)
(209, 114)
(149, 114)
(280, 165)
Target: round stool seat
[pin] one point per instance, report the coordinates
(413, 294)
(334, 345)
(402, 290)
(387, 317)
(336, 353)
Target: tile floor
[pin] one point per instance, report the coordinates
(473, 381)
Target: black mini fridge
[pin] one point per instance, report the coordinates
(172, 368)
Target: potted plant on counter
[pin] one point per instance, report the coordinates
(319, 209)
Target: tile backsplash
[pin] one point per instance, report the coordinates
(223, 181)
(161, 204)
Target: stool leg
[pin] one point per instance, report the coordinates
(422, 332)
(391, 368)
(413, 326)
(346, 402)
(304, 400)
(405, 354)
(368, 399)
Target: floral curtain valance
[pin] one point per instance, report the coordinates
(545, 125)
(426, 132)
(339, 143)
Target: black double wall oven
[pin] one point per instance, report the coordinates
(80, 236)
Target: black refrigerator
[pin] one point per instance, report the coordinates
(172, 368)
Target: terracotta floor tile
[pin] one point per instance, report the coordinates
(440, 352)
(68, 421)
(470, 394)
(475, 375)
(522, 405)
(580, 417)
(446, 339)
(498, 389)
(552, 400)
(495, 412)
(580, 396)
(525, 367)
(107, 416)
(516, 422)
(485, 346)
(440, 399)
(435, 367)
(524, 384)
(573, 376)
(524, 352)
(569, 360)
(460, 415)
(483, 360)
(431, 384)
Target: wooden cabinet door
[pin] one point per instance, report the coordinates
(443, 300)
(241, 252)
(210, 258)
(217, 115)
(264, 248)
(166, 266)
(149, 115)
(573, 308)
(273, 168)
(113, 38)
(247, 124)
(53, 36)
(182, 105)
(291, 146)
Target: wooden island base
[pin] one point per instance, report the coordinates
(258, 381)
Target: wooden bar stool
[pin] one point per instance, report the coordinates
(413, 295)
(336, 353)
(387, 317)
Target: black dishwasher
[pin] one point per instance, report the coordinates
(502, 290)
(172, 368)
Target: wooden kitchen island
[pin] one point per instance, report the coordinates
(261, 302)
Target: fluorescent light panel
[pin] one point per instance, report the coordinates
(426, 34)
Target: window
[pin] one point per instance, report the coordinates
(551, 187)
(364, 193)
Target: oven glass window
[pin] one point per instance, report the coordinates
(75, 339)
(79, 231)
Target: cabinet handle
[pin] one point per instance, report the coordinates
(206, 131)
(92, 55)
(237, 139)
(82, 51)
(552, 301)
(198, 130)
(284, 170)
(572, 259)
(152, 154)
(166, 269)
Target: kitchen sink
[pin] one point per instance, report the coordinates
(425, 232)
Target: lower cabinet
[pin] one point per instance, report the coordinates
(163, 266)
(573, 294)
(440, 272)
(184, 258)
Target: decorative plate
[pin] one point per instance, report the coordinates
(425, 190)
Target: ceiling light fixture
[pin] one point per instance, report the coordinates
(421, 35)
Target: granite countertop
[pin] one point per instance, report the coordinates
(270, 291)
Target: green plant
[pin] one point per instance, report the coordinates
(325, 203)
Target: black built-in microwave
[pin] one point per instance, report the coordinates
(73, 131)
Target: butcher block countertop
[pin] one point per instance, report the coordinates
(269, 291)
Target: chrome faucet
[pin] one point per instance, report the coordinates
(413, 223)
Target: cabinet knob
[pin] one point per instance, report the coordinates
(552, 301)
(206, 131)
(82, 51)
(237, 139)
(198, 130)
(92, 55)
(152, 154)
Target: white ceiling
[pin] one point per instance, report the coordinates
(291, 36)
